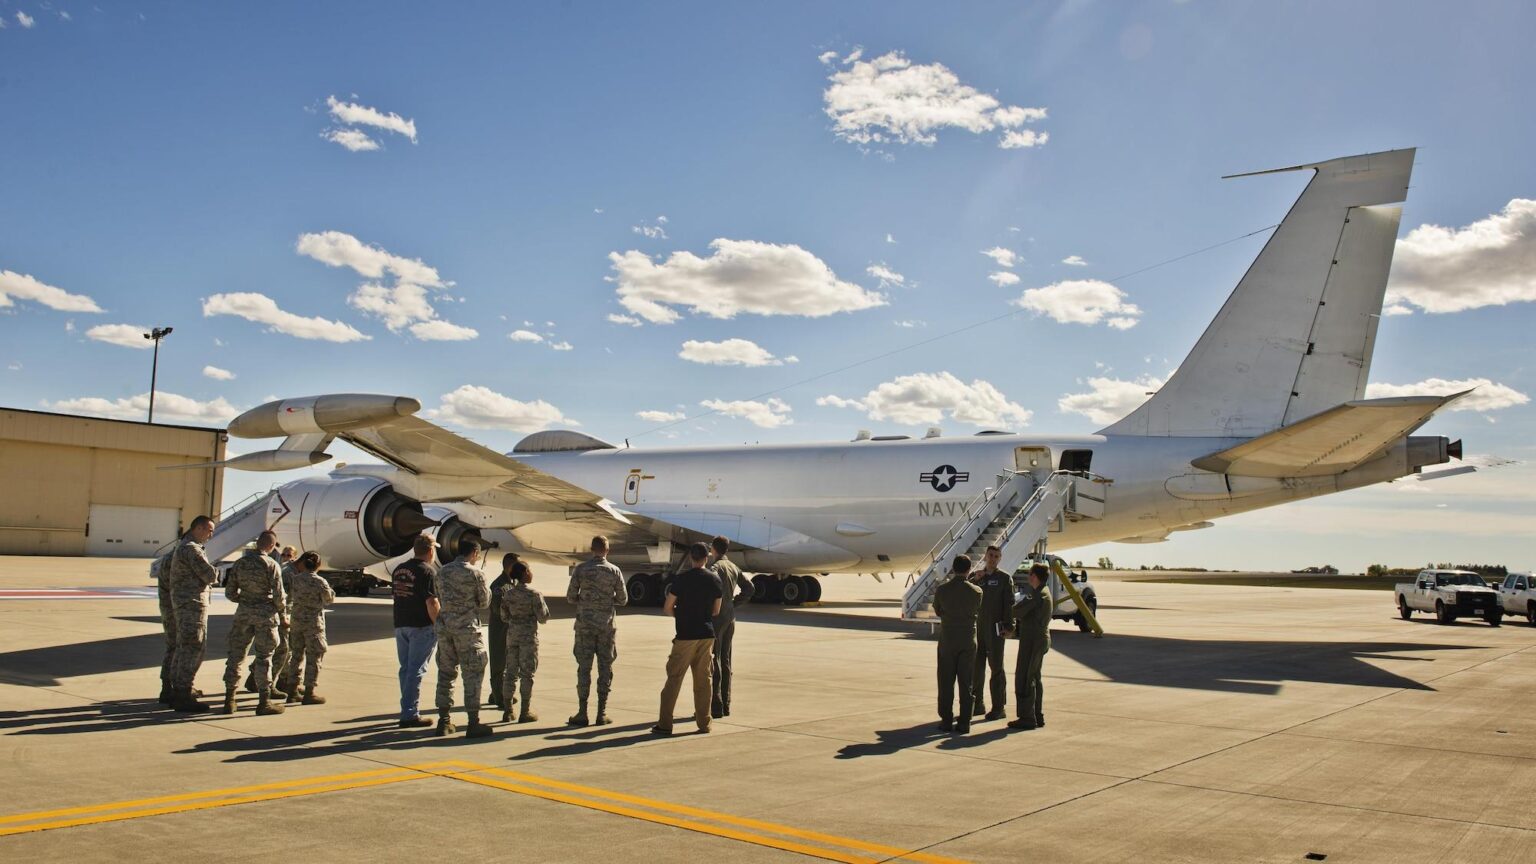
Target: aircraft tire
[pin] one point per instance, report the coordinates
(662, 582)
(812, 589)
(762, 588)
(641, 589)
(792, 590)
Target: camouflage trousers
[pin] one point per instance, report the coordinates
(306, 647)
(522, 662)
(460, 648)
(251, 629)
(603, 644)
(191, 636)
(168, 622)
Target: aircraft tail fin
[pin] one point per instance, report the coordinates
(1295, 338)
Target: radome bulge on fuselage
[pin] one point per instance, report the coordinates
(1267, 408)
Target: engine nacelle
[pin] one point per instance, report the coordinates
(450, 531)
(352, 522)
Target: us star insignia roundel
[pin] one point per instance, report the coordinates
(944, 478)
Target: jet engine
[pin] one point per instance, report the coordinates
(450, 531)
(352, 522)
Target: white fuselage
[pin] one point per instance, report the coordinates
(876, 506)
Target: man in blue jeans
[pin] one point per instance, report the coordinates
(416, 608)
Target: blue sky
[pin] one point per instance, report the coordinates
(163, 160)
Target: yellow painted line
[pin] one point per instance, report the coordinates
(698, 813)
(620, 810)
(212, 798)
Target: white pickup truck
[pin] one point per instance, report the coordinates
(1449, 594)
(1517, 596)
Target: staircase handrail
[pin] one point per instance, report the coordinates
(971, 510)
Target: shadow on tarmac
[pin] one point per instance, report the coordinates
(892, 741)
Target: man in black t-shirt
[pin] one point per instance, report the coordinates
(416, 606)
(693, 601)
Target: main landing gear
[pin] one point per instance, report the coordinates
(650, 589)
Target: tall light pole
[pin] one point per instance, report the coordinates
(156, 334)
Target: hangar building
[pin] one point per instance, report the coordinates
(91, 486)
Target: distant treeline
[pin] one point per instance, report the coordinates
(1495, 570)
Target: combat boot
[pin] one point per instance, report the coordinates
(165, 695)
(506, 715)
(277, 695)
(527, 715)
(229, 701)
(266, 707)
(250, 683)
(602, 711)
(476, 729)
(183, 703)
(580, 717)
(310, 698)
(445, 726)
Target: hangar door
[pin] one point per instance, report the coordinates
(117, 531)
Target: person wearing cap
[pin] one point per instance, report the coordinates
(1033, 614)
(463, 595)
(306, 627)
(958, 604)
(496, 631)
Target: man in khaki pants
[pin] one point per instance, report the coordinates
(693, 601)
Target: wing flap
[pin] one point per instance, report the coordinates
(1328, 443)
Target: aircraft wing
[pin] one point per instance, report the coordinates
(1328, 443)
(425, 448)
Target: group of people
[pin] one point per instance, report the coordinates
(438, 611)
(978, 612)
(279, 617)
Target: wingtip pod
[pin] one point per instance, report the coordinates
(337, 412)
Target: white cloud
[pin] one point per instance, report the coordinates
(826, 57)
(660, 416)
(1004, 257)
(1016, 139)
(1003, 279)
(910, 324)
(889, 100)
(739, 276)
(561, 346)
(1487, 397)
(264, 310)
(25, 20)
(524, 336)
(924, 398)
(396, 306)
(65, 15)
(14, 366)
(354, 114)
(169, 407)
(1074, 261)
(730, 352)
(353, 139)
(340, 249)
(1081, 301)
(889, 239)
(24, 287)
(1109, 399)
(626, 320)
(769, 415)
(483, 408)
(218, 374)
(125, 335)
(438, 330)
(1491, 262)
(653, 231)
(886, 275)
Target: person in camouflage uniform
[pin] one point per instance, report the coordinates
(306, 627)
(462, 591)
(596, 588)
(496, 641)
(522, 609)
(190, 578)
(160, 570)
(280, 655)
(256, 585)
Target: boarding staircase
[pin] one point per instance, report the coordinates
(1016, 515)
(238, 525)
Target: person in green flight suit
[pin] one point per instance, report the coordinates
(958, 604)
(995, 624)
(496, 639)
(1033, 614)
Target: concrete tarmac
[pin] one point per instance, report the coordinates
(1212, 723)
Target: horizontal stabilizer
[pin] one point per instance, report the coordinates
(1328, 443)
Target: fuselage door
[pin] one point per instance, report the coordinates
(632, 487)
(1035, 461)
(1076, 461)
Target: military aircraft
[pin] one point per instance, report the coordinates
(1267, 408)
